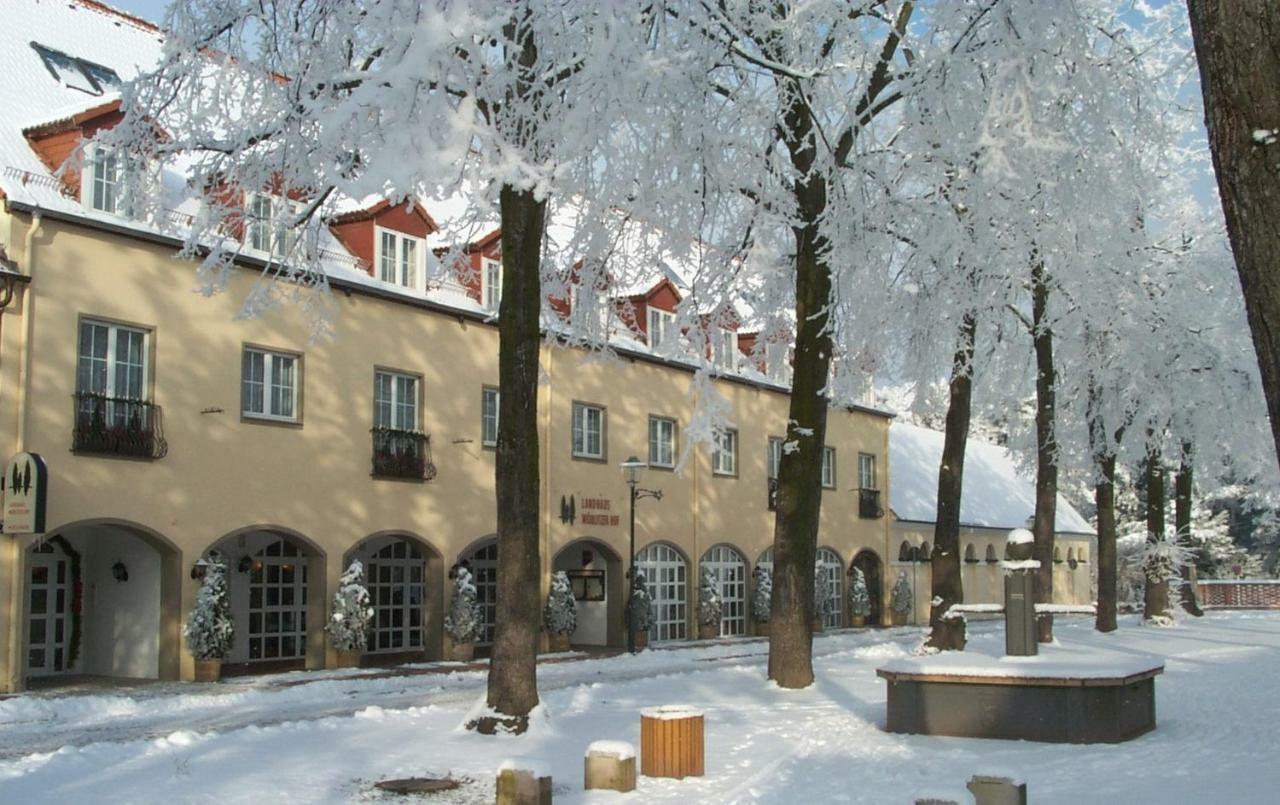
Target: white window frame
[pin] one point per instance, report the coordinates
(124, 202)
(113, 331)
(399, 241)
(724, 452)
(580, 437)
(490, 286)
(773, 459)
(662, 451)
(828, 467)
(867, 469)
(268, 378)
(281, 240)
(775, 359)
(725, 349)
(487, 393)
(397, 400)
(661, 324)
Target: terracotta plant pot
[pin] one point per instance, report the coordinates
(346, 659)
(762, 628)
(817, 625)
(458, 652)
(642, 640)
(558, 643)
(859, 620)
(898, 618)
(208, 670)
(707, 631)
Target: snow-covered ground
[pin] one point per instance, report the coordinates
(1217, 716)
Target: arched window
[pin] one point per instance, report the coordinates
(665, 576)
(991, 554)
(395, 578)
(970, 553)
(1057, 555)
(484, 572)
(829, 563)
(730, 569)
(926, 552)
(904, 552)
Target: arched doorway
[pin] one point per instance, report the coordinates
(873, 573)
(403, 575)
(596, 574)
(730, 569)
(828, 561)
(275, 583)
(100, 600)
(666, 574)
(483, 563)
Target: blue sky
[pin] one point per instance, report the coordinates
(152, 10)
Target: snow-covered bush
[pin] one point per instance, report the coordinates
(821, 592)
(464, 621)
(859, 598)
(709, 602)
(762, 595)
(900, 599)
(210, 631)
(640, 608)
(348, 626)
(561, 614)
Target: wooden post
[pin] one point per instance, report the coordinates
(610, 765)
(671, 742)
(523, 783)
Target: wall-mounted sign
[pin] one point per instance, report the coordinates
(26, 490)
(596, 511)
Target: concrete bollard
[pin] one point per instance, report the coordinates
(523, 782)
(988, 790)
(610, 765)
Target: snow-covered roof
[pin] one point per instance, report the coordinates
(995, 494)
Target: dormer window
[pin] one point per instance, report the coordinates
(76, 73)
(490, 283)
(399, 259)
(103, 185)
(775, 360)
(268, 227)
(661, 328)
(725, 349)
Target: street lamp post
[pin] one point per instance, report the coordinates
(631, 469)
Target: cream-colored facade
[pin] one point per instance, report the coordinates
(275, 498)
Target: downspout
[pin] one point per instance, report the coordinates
(28, 314)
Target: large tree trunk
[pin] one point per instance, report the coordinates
(1155, 598)
(1238, 47)
(1046, 446)
(1182, 486)
(799, 504)
(948, 634)
(1104, 498)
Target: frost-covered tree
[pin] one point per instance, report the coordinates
(348, 625)
(560, 617)
(761, 593)
(463, 621)
(209, 630)
(710, 602)
(639, 611)
(859, 597)
(901, 599)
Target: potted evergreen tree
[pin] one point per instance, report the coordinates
(348, 626)
(209, 629)
(709, 605)
(762, 599)
(464, 622)
(901, 600)
(821, 597)
(640, 610)
(560, 617)
(859, 599)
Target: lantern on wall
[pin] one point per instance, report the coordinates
(119, 571)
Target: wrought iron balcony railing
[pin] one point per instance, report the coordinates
(869, 504)
(117, 426)
(402, 454)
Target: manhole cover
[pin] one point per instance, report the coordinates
(418, 785)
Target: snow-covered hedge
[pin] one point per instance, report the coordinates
(464, 621)
(348, 626)
(640, 609)
(560, 617)
(859, 598)
(762, 595)
(709, 602)
(901, 599)
(210, 631)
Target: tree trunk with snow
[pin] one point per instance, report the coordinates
(1239, 55)
(1104, 498)
(795, 536)
(948, 634)
(1046, 446)
(1155, 598)
(1182, 486)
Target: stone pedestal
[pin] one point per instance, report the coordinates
(671, 742)
(523, 786)
(610, 766)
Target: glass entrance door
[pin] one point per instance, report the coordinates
(48, 611)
